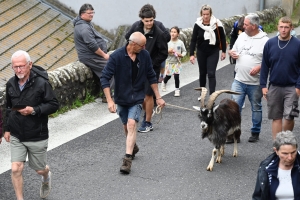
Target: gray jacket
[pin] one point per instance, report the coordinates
(87, 40)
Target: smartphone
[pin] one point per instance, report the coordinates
(18, 107)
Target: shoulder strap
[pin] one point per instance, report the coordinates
(219, 35)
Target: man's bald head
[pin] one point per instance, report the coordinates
(138, 38)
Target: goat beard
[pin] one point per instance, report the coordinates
(205, 133)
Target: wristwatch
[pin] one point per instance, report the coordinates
(33, 112)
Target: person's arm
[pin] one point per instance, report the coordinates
(107, 73)
(223, 40)
(257, 190)
(265, 66)
(49, 103)
(159, 100)
(193, 43)
(102, 54)
(162, 47)
(183, 49)
(90, 41)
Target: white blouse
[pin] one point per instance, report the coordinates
(285, 188)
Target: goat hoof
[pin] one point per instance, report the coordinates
(209, 169)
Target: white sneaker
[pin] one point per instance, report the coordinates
(199, 98)
(163, 86)
(244, 105)
(177, 93)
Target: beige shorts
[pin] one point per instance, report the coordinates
(36, 151)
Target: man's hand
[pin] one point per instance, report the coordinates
(160, 102)
(111, 106)
(7, 136)
(265, 91)
(106, 56)
(26, 111)
(255, 70)
(298, 91)
(233, 54)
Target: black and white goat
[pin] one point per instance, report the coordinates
(218, 122)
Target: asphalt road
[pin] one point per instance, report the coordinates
(171, 163)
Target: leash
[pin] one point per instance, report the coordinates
(158, 109)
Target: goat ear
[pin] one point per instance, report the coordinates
(215, 108)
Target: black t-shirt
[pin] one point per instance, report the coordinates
(135, 69)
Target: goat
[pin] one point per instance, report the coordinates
(219, 122)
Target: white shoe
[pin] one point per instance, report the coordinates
(177, 93)
(163, 86)
(199, 98)
(244, 105)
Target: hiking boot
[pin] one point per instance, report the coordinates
(163, 86)
(146, 127)
(254, 137)
(135, 150)
(126, 166)
(46, 187)
(177, 93)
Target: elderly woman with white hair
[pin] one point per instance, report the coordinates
(278, 176)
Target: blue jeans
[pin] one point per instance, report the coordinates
(254, 95)
(129, 112)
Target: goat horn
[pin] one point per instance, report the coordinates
(214, 96)
(203, 95)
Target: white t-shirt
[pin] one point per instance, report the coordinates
(250, 50)
(285, 188)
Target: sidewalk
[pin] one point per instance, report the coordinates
(77, 122)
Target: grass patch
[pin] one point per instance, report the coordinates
(76, 104)
(271, 27)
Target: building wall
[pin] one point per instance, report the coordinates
(110, 14)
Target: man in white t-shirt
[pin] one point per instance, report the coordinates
(248, 51)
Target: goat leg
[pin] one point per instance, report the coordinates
(235, 152)
(219, 155)
(222, 150)
(211, 163)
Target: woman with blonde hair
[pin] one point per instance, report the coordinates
(209, 36)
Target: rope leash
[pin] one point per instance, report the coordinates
(158, 110)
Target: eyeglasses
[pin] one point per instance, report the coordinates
(142, 46)
(20, 67)
(90, 13)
